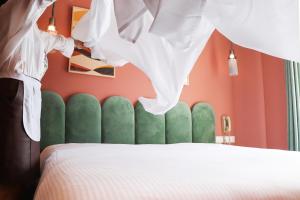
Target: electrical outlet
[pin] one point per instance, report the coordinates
(225, 139)
(219, 139)
(229, 139)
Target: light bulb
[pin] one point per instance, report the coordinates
(231, 55)
(51, 28)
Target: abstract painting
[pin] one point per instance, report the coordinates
(81, 61)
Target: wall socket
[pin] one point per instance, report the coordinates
(225, 139)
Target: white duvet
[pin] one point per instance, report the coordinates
(167, 172)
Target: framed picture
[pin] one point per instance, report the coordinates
(81, 61)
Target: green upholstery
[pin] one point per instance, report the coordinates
(203, 123)
(52, 119)
(83, 119)
(118, 121)
(149, 128)
(179, 124)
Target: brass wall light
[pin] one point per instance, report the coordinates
(51, 26)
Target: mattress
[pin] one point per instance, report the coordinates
(167, 172)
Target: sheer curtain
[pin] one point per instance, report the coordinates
(293, 92)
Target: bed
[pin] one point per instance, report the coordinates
(117, 151)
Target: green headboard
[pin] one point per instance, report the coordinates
(82, 119)
(118, 121)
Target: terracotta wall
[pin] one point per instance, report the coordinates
(248, 98)
(275, 101)
(259, 101)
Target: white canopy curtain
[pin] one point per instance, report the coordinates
(293, 93)
(164, 38)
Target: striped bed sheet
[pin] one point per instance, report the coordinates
(167, 172)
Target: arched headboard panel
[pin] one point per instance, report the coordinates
(203, 123)
(52, 119)
(179, 124)
(83, 119)
(118, 121)
(149, 128)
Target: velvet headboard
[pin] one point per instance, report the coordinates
(83, 120)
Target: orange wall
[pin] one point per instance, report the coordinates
(246, 98)
(248, 95)
(259, 101)
(275, 101)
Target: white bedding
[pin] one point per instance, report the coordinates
(167, 172)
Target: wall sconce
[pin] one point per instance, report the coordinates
(233, 67)
(226, 124)
(51, 26)
(226, 129)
